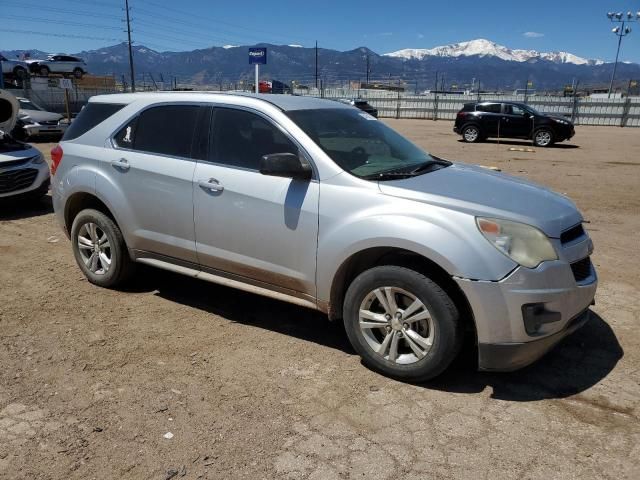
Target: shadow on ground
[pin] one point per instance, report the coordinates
(575, 365)
(25, 207)
(524, 143)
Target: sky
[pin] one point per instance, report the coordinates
(579, 27)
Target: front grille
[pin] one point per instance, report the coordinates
(17, 179)
(49, 122)
(581, 269)
(15, 163)
(572, 234)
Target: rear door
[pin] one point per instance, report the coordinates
(152, 166)
(515, 122)
(257, 227)
(490, 118)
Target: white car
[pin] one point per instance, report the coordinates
(59, 63)
(16, 68)
(36, 121)
(23, 170)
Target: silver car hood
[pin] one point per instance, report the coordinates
(41, 116)
(482, 192)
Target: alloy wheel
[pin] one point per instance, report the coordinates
(471, 134)
(543, 138)
(94, 248)
(396, 325)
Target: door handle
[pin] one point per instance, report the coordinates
(121, 163)
(211, 184)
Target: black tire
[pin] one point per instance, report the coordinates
(543, 137)
(447, 331)
(20, 73)
(44, 71)
(121, 267)
(77, 72)
(471, 134)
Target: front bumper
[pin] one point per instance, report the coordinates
(24, 180)
(503, 340)
(506, 357)
(37, 129)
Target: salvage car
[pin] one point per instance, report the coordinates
(16, 68)
(58, 63)
(314, 202)
(35, 121)
(481, 120)
(23, 170)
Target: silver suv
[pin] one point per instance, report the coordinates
(319, 204)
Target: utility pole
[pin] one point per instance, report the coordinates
(316, 64)
(131, 72)
(368, 69)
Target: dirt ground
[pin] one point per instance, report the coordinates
(92, 380)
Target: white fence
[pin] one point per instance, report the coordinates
(619, 112)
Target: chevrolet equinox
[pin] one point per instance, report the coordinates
(317, 203)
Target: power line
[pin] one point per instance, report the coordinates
(61, 35)
(37, 7)
(59, 22)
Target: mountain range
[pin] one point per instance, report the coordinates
(494, 66)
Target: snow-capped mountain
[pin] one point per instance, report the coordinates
(483, 48)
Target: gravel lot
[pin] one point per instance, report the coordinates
(92, 379)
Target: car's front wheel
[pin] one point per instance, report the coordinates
(100, 249)
(543, 137)
(402, 323)
(44, 71)
(471, 134)
(78, 73)
(20, 73)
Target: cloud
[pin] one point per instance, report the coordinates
(385, 34)
(533, 34)
(420, 35)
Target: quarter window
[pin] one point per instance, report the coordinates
(167, 130)
(241, 138)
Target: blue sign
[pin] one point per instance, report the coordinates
(258, 56)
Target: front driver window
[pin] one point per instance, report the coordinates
(240, 139)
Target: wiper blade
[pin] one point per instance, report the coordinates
(388, 175)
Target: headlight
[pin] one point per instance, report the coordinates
(523, 243)
(559, 120)
(37, 160)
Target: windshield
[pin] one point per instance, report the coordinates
(29, 105)
(361, 144)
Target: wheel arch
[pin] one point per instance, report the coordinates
(378, 256)
(79, 201)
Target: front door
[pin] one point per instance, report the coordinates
(516, 123)
(257, 227)
(490, 119)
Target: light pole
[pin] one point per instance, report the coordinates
(620, 31)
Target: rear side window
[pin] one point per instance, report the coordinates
(90, 116)
(468, 107)
(166, 129)
(489, 107)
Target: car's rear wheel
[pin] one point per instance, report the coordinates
(471, 134)
(44, 71)
(78, 73)
(543, 137)
(402, 323)
(100, 249)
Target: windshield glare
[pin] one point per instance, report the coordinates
(358, 142)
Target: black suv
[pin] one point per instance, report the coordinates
(481, 120)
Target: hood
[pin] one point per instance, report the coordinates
(9, 108)
(40, 116)
(481, 192)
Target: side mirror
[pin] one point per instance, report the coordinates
(287, 165)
